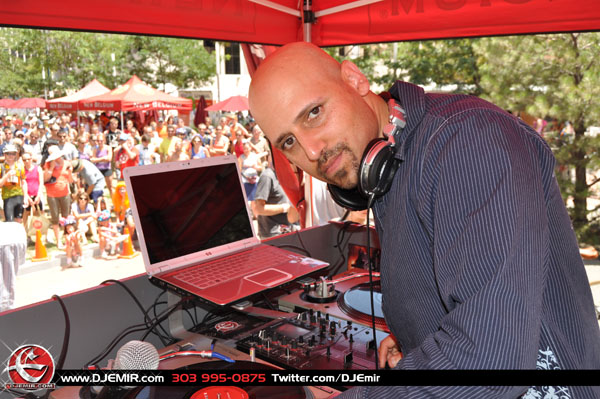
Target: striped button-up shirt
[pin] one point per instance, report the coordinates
(480, 267)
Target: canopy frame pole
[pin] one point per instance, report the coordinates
(308, 16)
(122, 125)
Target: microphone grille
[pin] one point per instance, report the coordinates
(137, 355)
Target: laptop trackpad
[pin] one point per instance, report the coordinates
(268, 277)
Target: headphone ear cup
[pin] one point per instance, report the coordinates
(377, 168)
(349, 199)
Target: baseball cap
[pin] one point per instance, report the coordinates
(76, 164)
(10, 148)
(123, 137)
(181, 130)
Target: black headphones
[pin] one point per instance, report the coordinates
(377, 166)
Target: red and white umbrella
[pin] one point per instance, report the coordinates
(235, 103)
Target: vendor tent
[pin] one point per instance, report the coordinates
(324, 22)
(6, 102)
(135, 95)
(70, 102)
(29, 102)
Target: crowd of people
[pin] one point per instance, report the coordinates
(72, 169)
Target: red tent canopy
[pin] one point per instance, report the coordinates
(336, 22)
(135, 95)
(29, 103)
(6, 102)
(69, 103)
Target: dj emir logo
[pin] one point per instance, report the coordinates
(30, 367)
(226, 326)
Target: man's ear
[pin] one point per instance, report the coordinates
(352, 76)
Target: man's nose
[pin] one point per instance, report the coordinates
(313, 146)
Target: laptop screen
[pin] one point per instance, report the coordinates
(189, 210)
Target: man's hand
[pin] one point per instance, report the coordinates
(389, 352)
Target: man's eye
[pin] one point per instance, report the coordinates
(314, 112)
(288, 143)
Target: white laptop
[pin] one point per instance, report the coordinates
(196, 232)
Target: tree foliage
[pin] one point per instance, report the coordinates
(35, 62)
(555, 77)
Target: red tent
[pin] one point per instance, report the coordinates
(6, 103)
(135, 95)
(27, 102)
(69, 103)
(330, 22)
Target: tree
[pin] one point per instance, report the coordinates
(35, 62)
(181, 62)
(556, 77)
(442, 62)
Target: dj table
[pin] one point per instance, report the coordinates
(312, 324)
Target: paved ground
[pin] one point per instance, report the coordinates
(36, 282)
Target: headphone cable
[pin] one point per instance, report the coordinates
(369, 205)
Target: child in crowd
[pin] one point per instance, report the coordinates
(72, 241)
(110, 236)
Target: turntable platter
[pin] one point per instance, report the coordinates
(252, 392)
(356, 303)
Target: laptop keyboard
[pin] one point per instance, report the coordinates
(233, 266)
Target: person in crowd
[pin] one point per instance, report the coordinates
(111, 134)
(83, 148)
(92, 179)
(34, 176)
(14, 185)
(161, 128)
(34, 143)
(271, 207)
(122, 209)
(58, 174)
(73, 238)
(178, 150)
(146, 149)
(207, 136)
(111, 235)
(478, 251)
(126, 154)
(197, 148)
(181, 125)
(165, 146)
(69, 150)
(85, 215)
(260, 145)
(102, 158)
(220, 143)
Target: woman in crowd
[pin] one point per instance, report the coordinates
(85, 215)
(35, 180)
(13, 184)
(220, 143)
(57, 177)
(197, 149)
(102, 157)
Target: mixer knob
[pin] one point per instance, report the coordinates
(294, 343)
(332, 328)
(301, 339)
(327, 316)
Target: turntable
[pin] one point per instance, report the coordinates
(348, 299)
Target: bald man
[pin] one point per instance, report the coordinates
(480, 267)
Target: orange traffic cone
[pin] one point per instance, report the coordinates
(128, 252)
(40, 249)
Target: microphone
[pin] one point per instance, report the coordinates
(134, 355)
